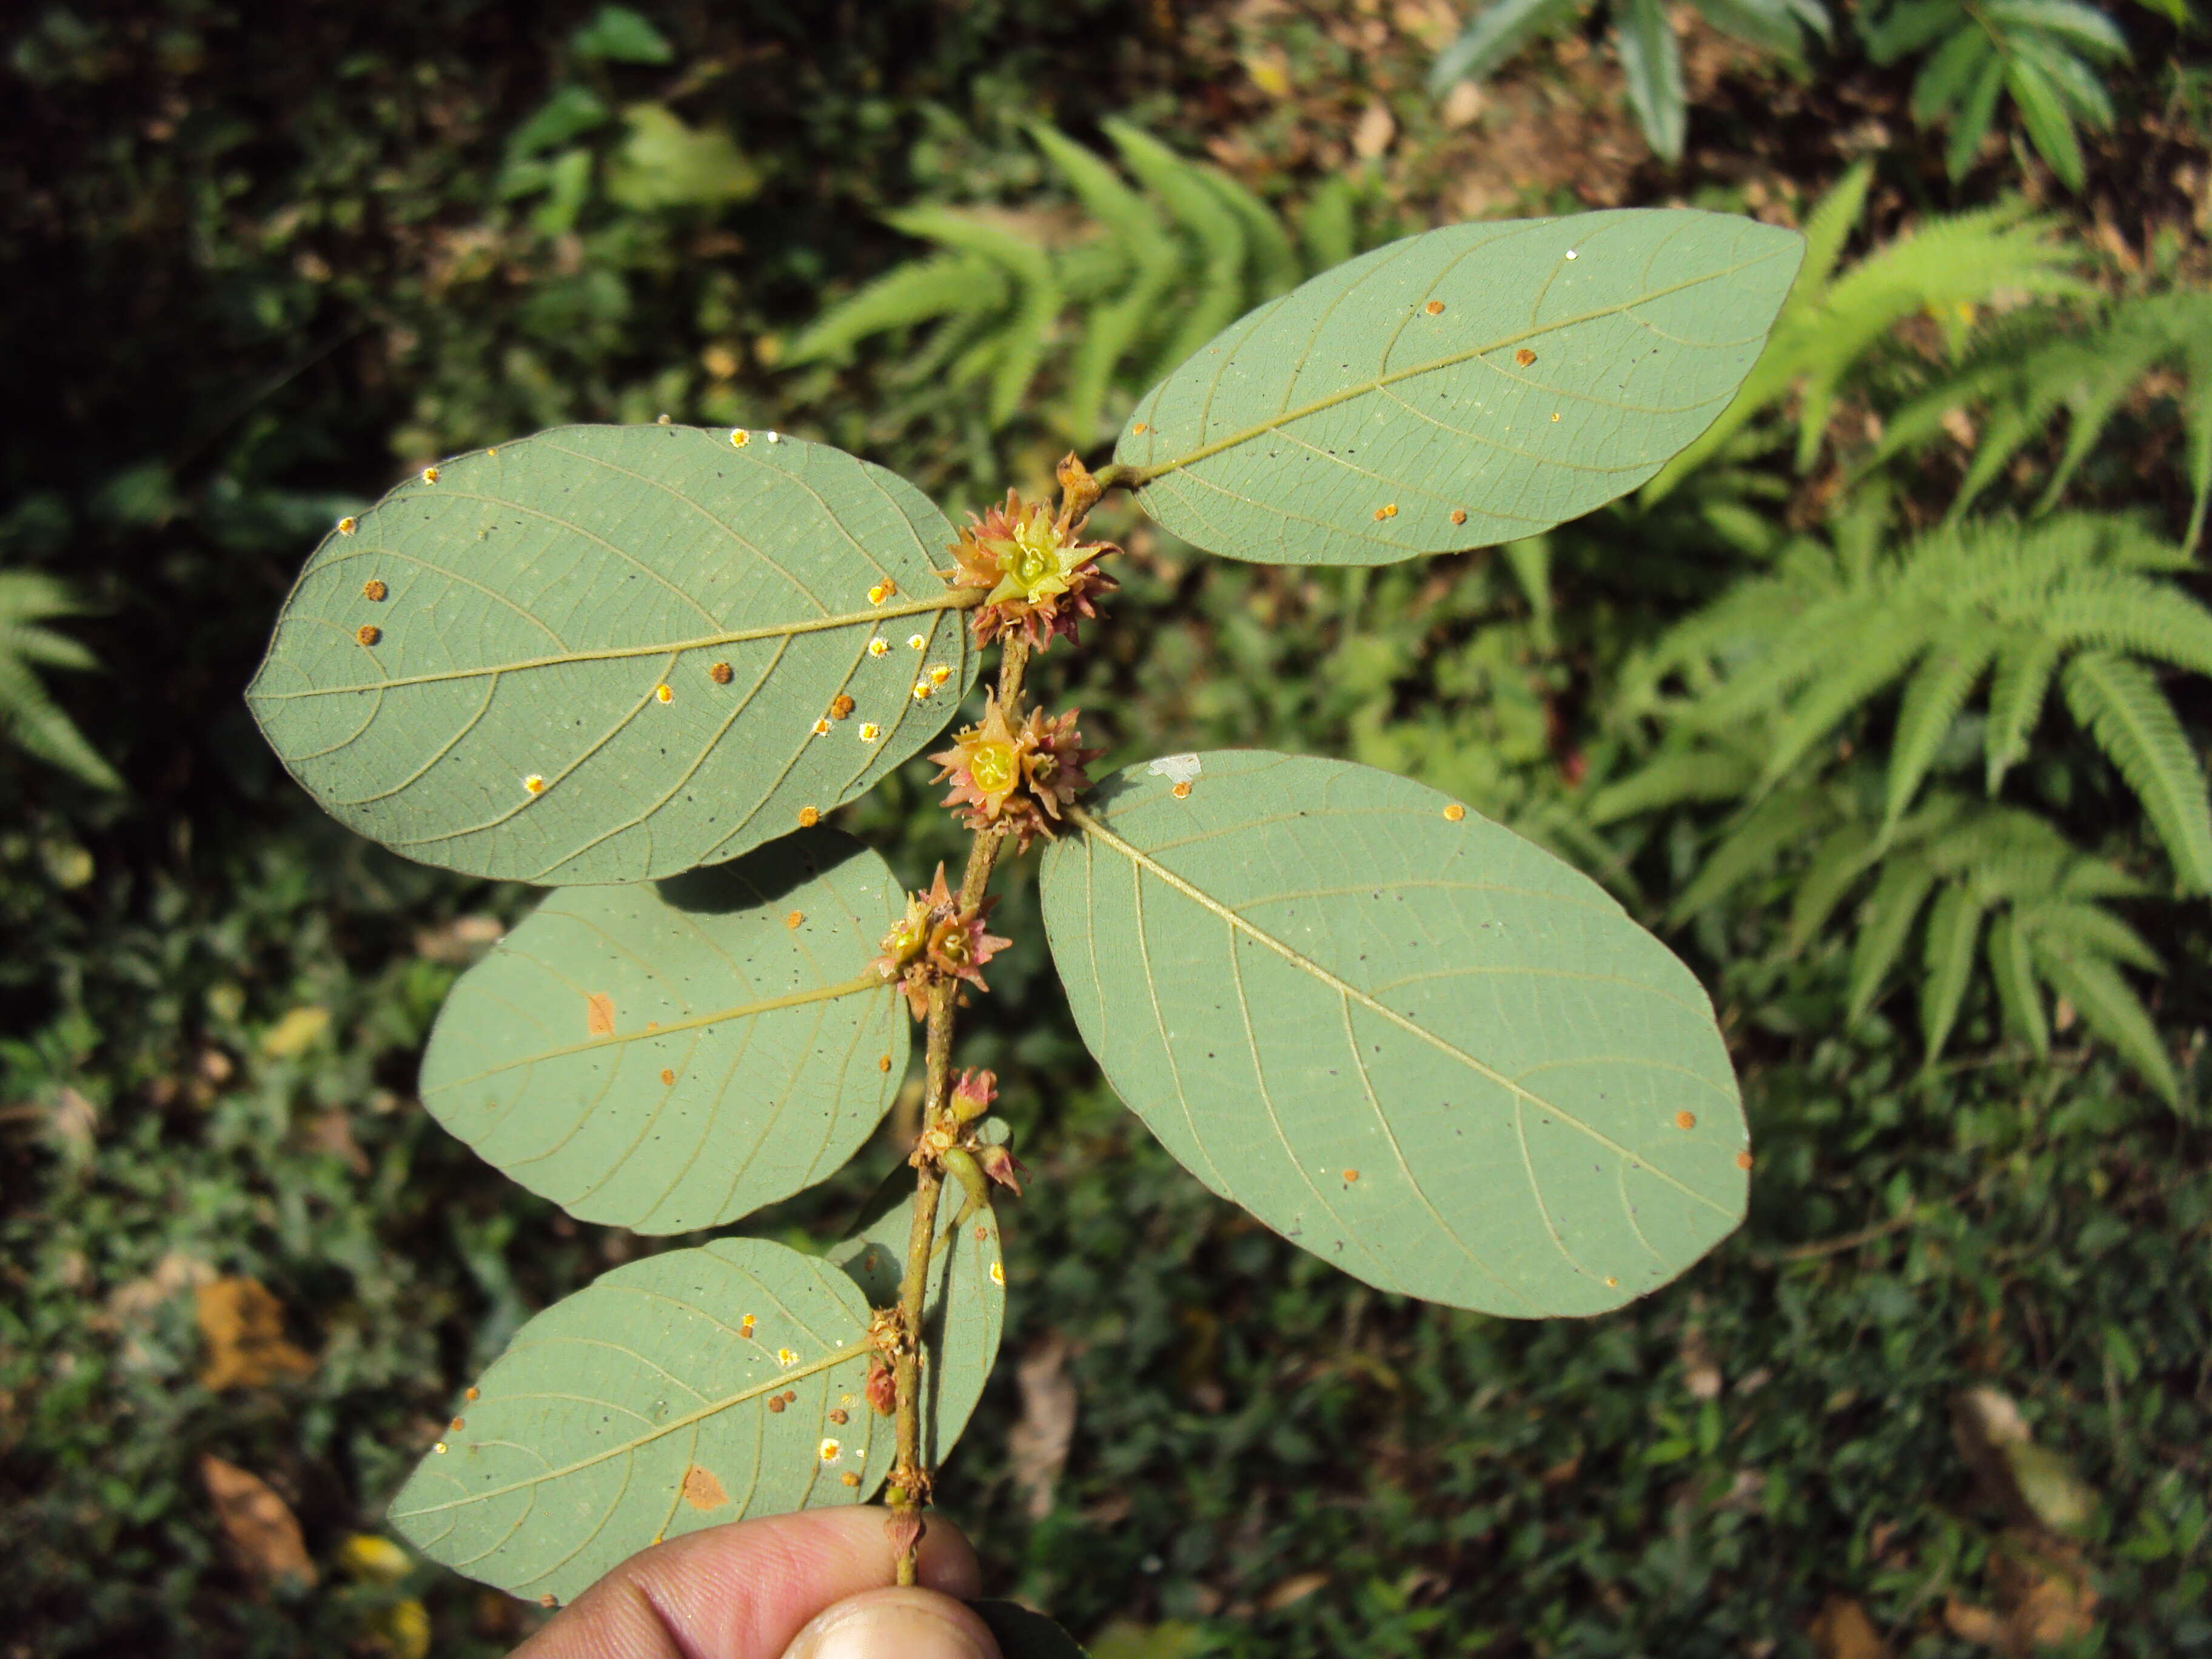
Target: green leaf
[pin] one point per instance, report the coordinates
(965, 1312)
(637, 1409)
(2085, 26)
(1496, 34)
(568, 113)
(2121, 705)
(1651, 59)
(618, 35)
(1771, 25)
(1402, 1037)
(1909, 27)
(1843, 858)
(1022, 1634)
(663, 163)
(1954, 928)
(1776, 824)
(1346, 423)
(539, 594)
(673, 1056)
(1697, 775)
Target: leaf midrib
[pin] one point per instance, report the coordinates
(958, 598)
(1090, 824)
(1145, 475)
(837, 1356)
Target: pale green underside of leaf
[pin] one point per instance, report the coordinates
(673, 1056)
(1419, 1046)
(637, 1409)
(1344, 423)
(540, 592)
(965, 1313)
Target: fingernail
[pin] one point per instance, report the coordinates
(884, 1630)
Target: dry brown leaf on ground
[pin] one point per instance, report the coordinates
(2044, 1591)
(259, 1525)
(244, 1326)
(1292, 1590)
(1038, 1443)
(1843, 1631)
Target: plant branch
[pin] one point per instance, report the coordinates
(908, 1486)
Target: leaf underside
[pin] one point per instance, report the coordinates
(1410, 1041)
(965, 1313)
(506, 717)
(638, 1409)
(1348, 423)
(673, 1056)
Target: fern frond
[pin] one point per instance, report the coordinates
(1195, 206)
(1776, 824)
(1841, 860)
(2111, 1010)
(1700, 775)
(2091, 929)
(1954, 928)
(1849, 682)
(2122, 610)
(931, 289)
(2120, 705)
(2020, 999)
(1933, 697)
(2017, 691)
(29, 718)
(1890, 913)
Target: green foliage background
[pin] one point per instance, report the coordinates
(259, 262)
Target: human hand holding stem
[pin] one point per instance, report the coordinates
(1043, 577)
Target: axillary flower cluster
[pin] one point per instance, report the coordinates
(937, 940)
(1040, 576)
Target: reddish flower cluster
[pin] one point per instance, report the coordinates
(1016, 780)
(1041, 578)
(952, 1142)
(937, 940)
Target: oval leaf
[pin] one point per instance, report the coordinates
(665, 1057)
(640, 1408)
(1465, 386)
(1397, 1033)
(962, 1317)
(600, 655)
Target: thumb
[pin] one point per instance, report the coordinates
(746, 1590)
(894, 1624)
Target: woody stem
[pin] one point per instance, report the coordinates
(909, 1479)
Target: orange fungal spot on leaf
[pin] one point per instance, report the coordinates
(794, 919)
(429, 474)
(1685, 1119)
(368, 633)
(809, 817)
(1182, 790)
(1388, 510)
(599, 1014)
(702, 1491)
(1459, 515)
(1351, 1176)
(667, 1074)
(533, 785)
(720, 673)
(1140, 428)
(839, 705)
(468, 1394)
(850, 1478)
(1435, 307)
(839, 1415)
(664, 693)
(348, 525)
(1743, 1160)
(373, 590)
(776, 1403)
(883, 1062)
(1524, 356)
(1455, 813)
